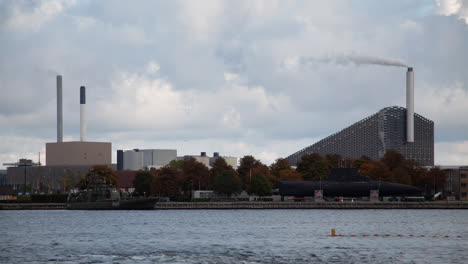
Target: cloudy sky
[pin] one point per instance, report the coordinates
(227, 76)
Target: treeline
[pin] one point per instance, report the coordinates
(393, 167)
(179, 178)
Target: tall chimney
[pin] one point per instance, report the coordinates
(410, 105)
(59, 109)
(82, 113)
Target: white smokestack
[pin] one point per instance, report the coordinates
(82, 113)
(410, 105)
(59, 110)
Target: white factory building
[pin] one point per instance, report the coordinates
(140, 159)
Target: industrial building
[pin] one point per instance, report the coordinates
(72, 159)
(392, 128)
(142, 159)
(139, 159)
(457, 181)
(376, 134)
(209, 161)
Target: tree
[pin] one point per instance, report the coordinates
(195, 173)
(393, 159)
(227, 183)
(334, 160)
(260, 185)
(437, 179)
(279, 164)
(289, 175)
(313, 167)
(142, 182)
(178, 164)
(98, 175)
(166, 182)
(246, 164)
(219, 166)
(362, 160)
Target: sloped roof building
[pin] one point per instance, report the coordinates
(374, 135)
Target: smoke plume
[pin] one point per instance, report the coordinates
(357, 60)
(353, 59)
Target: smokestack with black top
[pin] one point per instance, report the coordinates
(59, 110)
(82, 113)
(410, 105)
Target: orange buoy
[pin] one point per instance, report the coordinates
(458, 236)
(399, 235)
(411, 235)
(364, 235)
(446, 236)
(376, 234)
(434, 236)
(353, 235)
(387, 235)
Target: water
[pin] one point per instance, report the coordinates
(233, 236)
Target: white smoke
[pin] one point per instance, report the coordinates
(358, 60)
(457, 8)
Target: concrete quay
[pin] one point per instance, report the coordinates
(311, 205)
(262, 205)
(32, 206)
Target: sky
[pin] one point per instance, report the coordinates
(227, 76)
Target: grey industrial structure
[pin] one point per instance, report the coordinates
(139, 159)
(376, 134)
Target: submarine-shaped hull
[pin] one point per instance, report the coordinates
(346, 188)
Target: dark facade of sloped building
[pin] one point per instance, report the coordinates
(374, 135)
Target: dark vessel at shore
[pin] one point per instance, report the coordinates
(346, 182)
(107, 198)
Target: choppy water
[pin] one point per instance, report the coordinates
(233, 236)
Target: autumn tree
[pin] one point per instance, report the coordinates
(142, 182)
(219, 166)
(289, 175)
(227, 183)
(362, 160)
(166, 182)
(278, 165)
(334, 160)
(98, 175)
(436, 178)
(393, 159)
(195, 173)
(313, 167)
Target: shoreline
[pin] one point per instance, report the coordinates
(262, 205)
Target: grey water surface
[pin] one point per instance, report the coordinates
(233, 236)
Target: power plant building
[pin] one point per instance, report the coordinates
(375, 135)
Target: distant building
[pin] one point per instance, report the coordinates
(139, 159)
(375, 135)
(209, 161)
(457, 181)
(3, 177)
(78, 153)
(47, 178)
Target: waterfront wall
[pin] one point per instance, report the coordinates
(261, 205)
